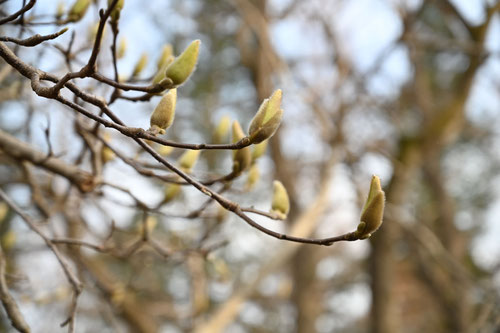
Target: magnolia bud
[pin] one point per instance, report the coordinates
(267, 119)
(259, 150)
(115, 14)
(253, 177)
(78, 10)
(280, 204)
(189, 159)
(107, 155)
(122, 48)
(165, 150)
(222, 129)
(241, 157)
(373, 211)
(171, 191)
(140, 65)
(160, 75)
(163, 115)
(184, 64)
(166, 53)
(60, 9)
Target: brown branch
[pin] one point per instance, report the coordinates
(70, 275)
(9, 303)
(21, 150)
(18, 13)
(33, 40)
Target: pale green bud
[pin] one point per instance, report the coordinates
(188, 159)
(259, 150)
(242, 158)
(267, 119)
(115, 14)
(160, 75)
(163, 115)
(222, 129)
(166, 53)
(184, 64)
(165, 150)
(60, 9)
(373, 210)
(140, 65)
(253, 177)
(281, 203)
(171, 191)
(78, 10)
(122, 48)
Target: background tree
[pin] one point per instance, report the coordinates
(109, 226)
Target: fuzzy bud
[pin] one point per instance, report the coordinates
(267, 119)
(253, 177)
(160, 75)
(163, 115)
(222, 129)
(171, 191)
(165, 150)
(122, 48)
(60, 9)
(189, 159)
(259, 150)
(78, 10)
(182, 67)
(280, 204)
(166, 53)
(115, 14)
(140, 65)
(241, 157)
(373, 211)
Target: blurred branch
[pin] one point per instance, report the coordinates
(9, 302)
(21, 150)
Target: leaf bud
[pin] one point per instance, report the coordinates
(163, 115)
(267, 119)
(182, 67)
(281, 203)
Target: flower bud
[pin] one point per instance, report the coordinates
(78, 10)
(165, 150)
(163, 115)
(140, 65)
(259, 150)
(222, 129)
(184, 64)
(160, 75)
(122, 48)
(267, 119)
(107, 155)
(115, 14)
(241, 157)
(60, 9)
(280, 204)
(171, 191)
(253, 177)
(189, 159)
(373, 211)
(166, 53)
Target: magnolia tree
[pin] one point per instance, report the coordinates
(63, 206)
